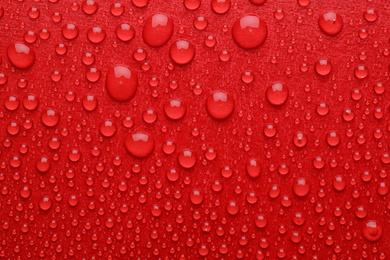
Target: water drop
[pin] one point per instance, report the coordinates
(182, 52)
(277, 94)
(220, 105)
(301, 187)
(196, 197)
(192, 4)
(139, 145)
(70, 31)
(89, 7)
(20, 55)
(323, 67)
(253, 168)
(249, 32)
(330, 23)
(125, 32)
(50, 117)
(175, 109)
(121, 83)
(220, 6)
(96, 34)
(372, 230)
(157, 30)
(187, 158)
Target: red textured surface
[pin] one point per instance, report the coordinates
(111, 205)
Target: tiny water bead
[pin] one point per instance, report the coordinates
(182, 52)
(249, 32)
(277, 94)
(157, 30)
(140, 145)
(20, 55)
(175, 109)
(330, 23)
(220, 105)
(372, 230)
(121, 83)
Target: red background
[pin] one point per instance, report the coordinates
(81, 230)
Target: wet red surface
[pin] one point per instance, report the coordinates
(198, 129)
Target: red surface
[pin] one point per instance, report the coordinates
(71, 189)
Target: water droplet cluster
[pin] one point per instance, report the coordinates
(193, 129)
